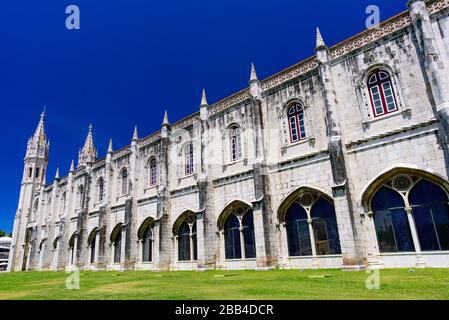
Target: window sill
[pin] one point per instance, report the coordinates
(310, 140)
(192, 175)
(234, 163)
(150, 188)
(404, 112)
(238, 260)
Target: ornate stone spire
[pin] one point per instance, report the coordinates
(72, 166)
(253, 76)
(319, 40)
(39, 135)
(165, 130)
(110, 149)
(57, 174)
(165, 122)
(255, 87)
(88, 154)
(135, 134)
(38, 145)
(204, 99)
(204, 107)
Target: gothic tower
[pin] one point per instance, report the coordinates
(35, 165)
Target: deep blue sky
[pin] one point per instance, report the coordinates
(134, 58)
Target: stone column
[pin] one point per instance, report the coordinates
(315, 263)
(373, 254)
(347, 224)
(259, 235)
(156, 244)
(75, 256)
(175, 252)
(97, 247)
(222, 250)
(200, 240)
(139, 260)
(284, 244)
(414, 232)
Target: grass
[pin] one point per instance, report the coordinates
(233, 285)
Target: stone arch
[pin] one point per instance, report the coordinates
(309, 195)
(290, 102)
(143, 226)
(55, 242)
(370, 189)
(115, 231)
(92, 235)
(72, 240)
(235, 205)
(188, 215)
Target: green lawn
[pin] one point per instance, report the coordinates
(190, 285)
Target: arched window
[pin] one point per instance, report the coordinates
(311, 225)
(153, 172)
(100, 189)
(296, 123)
(118, 247)
(391, 222)
(232, 238)
(188, 158)
(124, 178)
(185, 233)
(184, 242)
(80, 196)
(431, 215)
(298, 236)
(235, 143)
(236, 231)
(72, 249)
(383, 100)
(63, 202)
(325, 228)
(147, 245)
(93, 243)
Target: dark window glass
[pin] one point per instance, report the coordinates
(147, 245)
(195, 249)
(431, 214)
(298, 236)
(118, 247)
(232, 238)
(325, 228)
(248, 235)
(184, 242)
(391, 222)
(92, 249)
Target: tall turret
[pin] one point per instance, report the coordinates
(35, 165)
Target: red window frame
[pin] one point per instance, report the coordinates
(296, 114)
(377, 79)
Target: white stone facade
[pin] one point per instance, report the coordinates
(138, 198)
